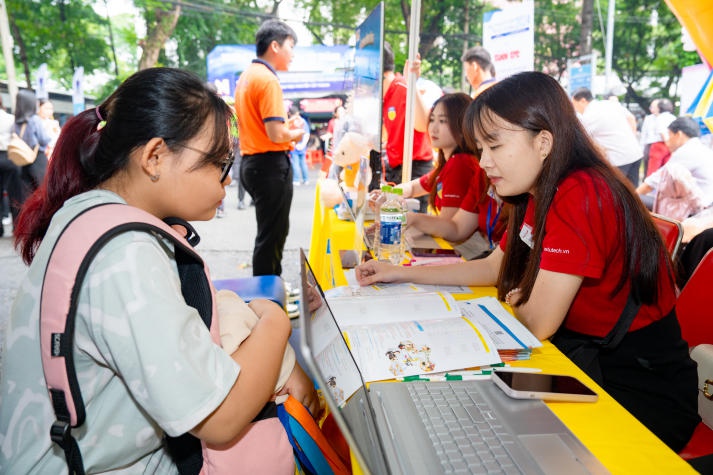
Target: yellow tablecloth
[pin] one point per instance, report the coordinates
(613, 435)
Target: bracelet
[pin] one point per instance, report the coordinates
(509, 295)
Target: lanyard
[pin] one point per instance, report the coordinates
(490, 224)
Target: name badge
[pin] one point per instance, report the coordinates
(526, 235)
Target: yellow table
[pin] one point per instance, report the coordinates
(613, 435)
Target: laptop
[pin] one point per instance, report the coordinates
(386, 432)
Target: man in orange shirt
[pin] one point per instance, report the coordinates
(265, 143)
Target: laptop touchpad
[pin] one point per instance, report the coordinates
(552, 454)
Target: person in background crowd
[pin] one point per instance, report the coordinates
(478, 68)
(580, 255)
(607, 124)
(334, 128)
(146, 363)
(659, 152)
(687, 151)
(298, 156)
(394, 123)
(265, 143)
(648, 133)
(9, 172)
(34, 134)
(46, 113)
(630, 118)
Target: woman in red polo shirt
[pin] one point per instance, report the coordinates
(581, 260)
(456, 187)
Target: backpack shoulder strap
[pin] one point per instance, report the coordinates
(70, 258)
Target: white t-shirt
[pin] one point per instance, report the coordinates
(6, 123)
(698, 159)
(606, 123)
(145, 360)
(663, 120)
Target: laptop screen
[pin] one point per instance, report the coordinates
(336, 373)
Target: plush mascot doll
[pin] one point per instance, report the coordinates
(351, 148)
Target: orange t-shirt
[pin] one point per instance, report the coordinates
(258, 99)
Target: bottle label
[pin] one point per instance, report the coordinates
(390, 231)
(392, 218)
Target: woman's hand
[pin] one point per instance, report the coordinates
(374, 271)
(314, 299)
(375, 200)
(300, 387)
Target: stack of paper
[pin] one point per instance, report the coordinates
(512, 339)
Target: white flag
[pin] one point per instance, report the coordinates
(42, 76)
(78, 90)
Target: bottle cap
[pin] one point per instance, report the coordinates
(397, 191)
(386, 188)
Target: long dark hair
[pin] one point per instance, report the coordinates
(536, 102)
(455, 105)
(160, 102)
(25, 105)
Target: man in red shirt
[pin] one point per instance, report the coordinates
(394, 120)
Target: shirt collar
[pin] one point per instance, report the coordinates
(267, 65)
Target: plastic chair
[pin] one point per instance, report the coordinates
(695, 315)
(693, 306)
(270, 287)
(672, 232)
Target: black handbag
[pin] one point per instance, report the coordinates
(584, 350)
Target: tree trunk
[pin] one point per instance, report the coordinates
(158, 32)
(585, 36)
(17, 35)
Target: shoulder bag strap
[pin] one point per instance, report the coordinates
(621, 328)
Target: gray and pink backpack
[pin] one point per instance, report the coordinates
(264, 447)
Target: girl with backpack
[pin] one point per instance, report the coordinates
(145, 361)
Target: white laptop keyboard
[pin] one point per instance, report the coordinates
(465, 433)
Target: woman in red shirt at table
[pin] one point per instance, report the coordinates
(579, 248)
(457, 186)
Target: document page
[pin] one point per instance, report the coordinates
(379, 305)
(395, 350)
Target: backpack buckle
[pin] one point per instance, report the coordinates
(60, 433)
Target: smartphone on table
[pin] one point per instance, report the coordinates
(351, 258)
(548, 387)
(433, 252)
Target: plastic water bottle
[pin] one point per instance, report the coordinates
(391, 221)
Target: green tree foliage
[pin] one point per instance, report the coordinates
(557, 34)
(62, 33)
(648, 55)
(201, 28)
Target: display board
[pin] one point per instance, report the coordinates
(364, 107)
(316, 71)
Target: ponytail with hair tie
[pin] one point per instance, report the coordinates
(102, 122)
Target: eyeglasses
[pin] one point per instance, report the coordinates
(227, 163)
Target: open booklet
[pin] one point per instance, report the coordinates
(512, 339)
(401, 330)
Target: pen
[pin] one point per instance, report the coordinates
(519, 369)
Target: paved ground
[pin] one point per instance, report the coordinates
(226, 244)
